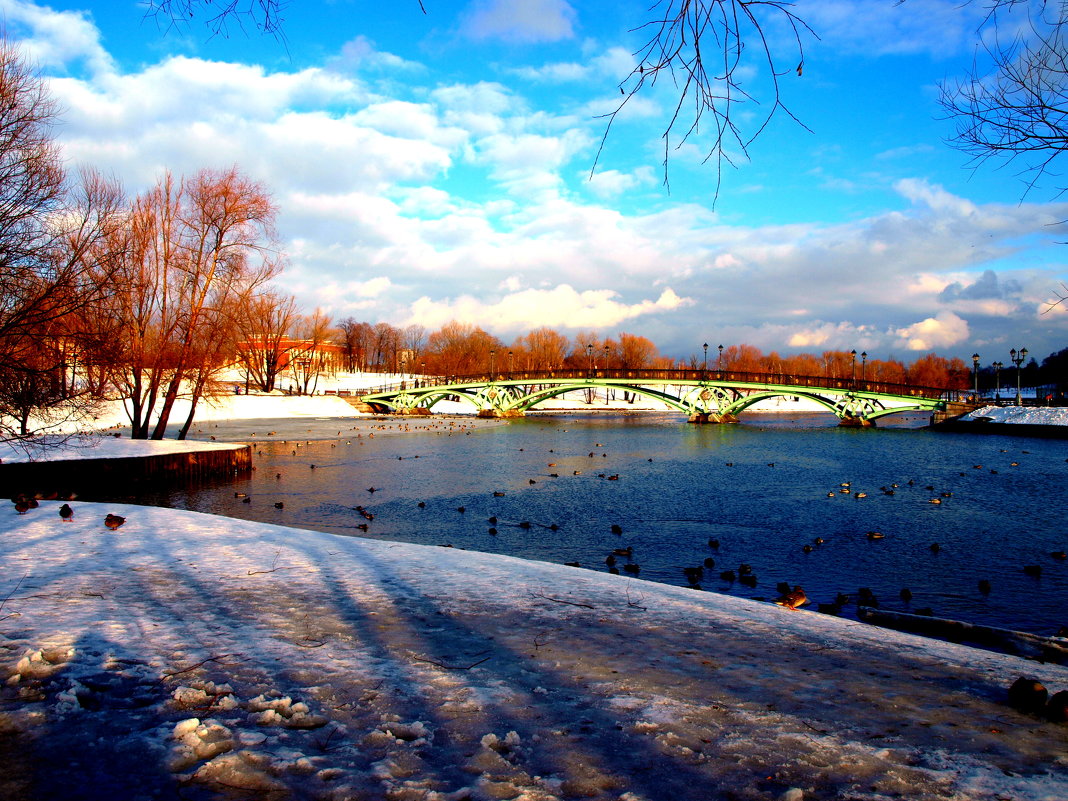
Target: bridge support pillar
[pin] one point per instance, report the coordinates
(702, 418)
(495, 413)
(849, 421)
(415, 411)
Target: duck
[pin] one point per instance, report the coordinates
(793, 599)
(627, 552)
(113, 521)
(66, 513)
(617, 529)
(875, 535)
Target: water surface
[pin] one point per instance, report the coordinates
(761, 488)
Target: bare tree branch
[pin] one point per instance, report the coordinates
(708, 49)
(1013, 103)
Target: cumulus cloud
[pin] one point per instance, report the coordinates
(941, 331)
(56, 39)
(560, 307)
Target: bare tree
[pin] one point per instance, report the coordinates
(196, 245)
(264, 321)
(308, 359)
(53, 265)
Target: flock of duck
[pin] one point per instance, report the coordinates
(24, 503)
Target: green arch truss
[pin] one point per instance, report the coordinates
(705, 396)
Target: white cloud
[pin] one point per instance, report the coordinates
(520, 21)
(611, 183)
(560, 307)
(56, 39)
(941, 331)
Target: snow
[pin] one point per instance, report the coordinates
(197, 655)
(1030, 415)
(94, 446)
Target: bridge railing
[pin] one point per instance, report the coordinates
(685, 376)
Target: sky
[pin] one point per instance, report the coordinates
(440, 166)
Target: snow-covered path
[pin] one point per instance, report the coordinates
(192, 656)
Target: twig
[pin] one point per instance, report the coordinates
(452, 667)
(9, 596)
(560, 600)
(274, 566)
(174, 673)
(634, 604)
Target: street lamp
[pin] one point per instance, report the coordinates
(493, 363)
(704, 364)
(1018, 359)
(997, 379)
(853, 353)
(589, 361)
(606, 360)
(863, 365)
(509, 364)
(719, 368)
(975, 363)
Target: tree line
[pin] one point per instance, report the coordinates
(464, 349)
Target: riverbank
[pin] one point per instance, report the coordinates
(1033, 421)
(191, 651)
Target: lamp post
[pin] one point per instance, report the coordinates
(719, 367)
(975, 363)
(493, 363)
(509, 364)
(589, 361)
(1018, 359)
(863, 365)
(997, 379)
(606, 360)
(853, 354)
(704, 363)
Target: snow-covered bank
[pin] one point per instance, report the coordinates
(185, 649)
(1023, 415)
(91, 446)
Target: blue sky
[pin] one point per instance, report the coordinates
(436, 167)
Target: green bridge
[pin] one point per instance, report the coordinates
(705, 396)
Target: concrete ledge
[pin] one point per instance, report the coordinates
(114, 474)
